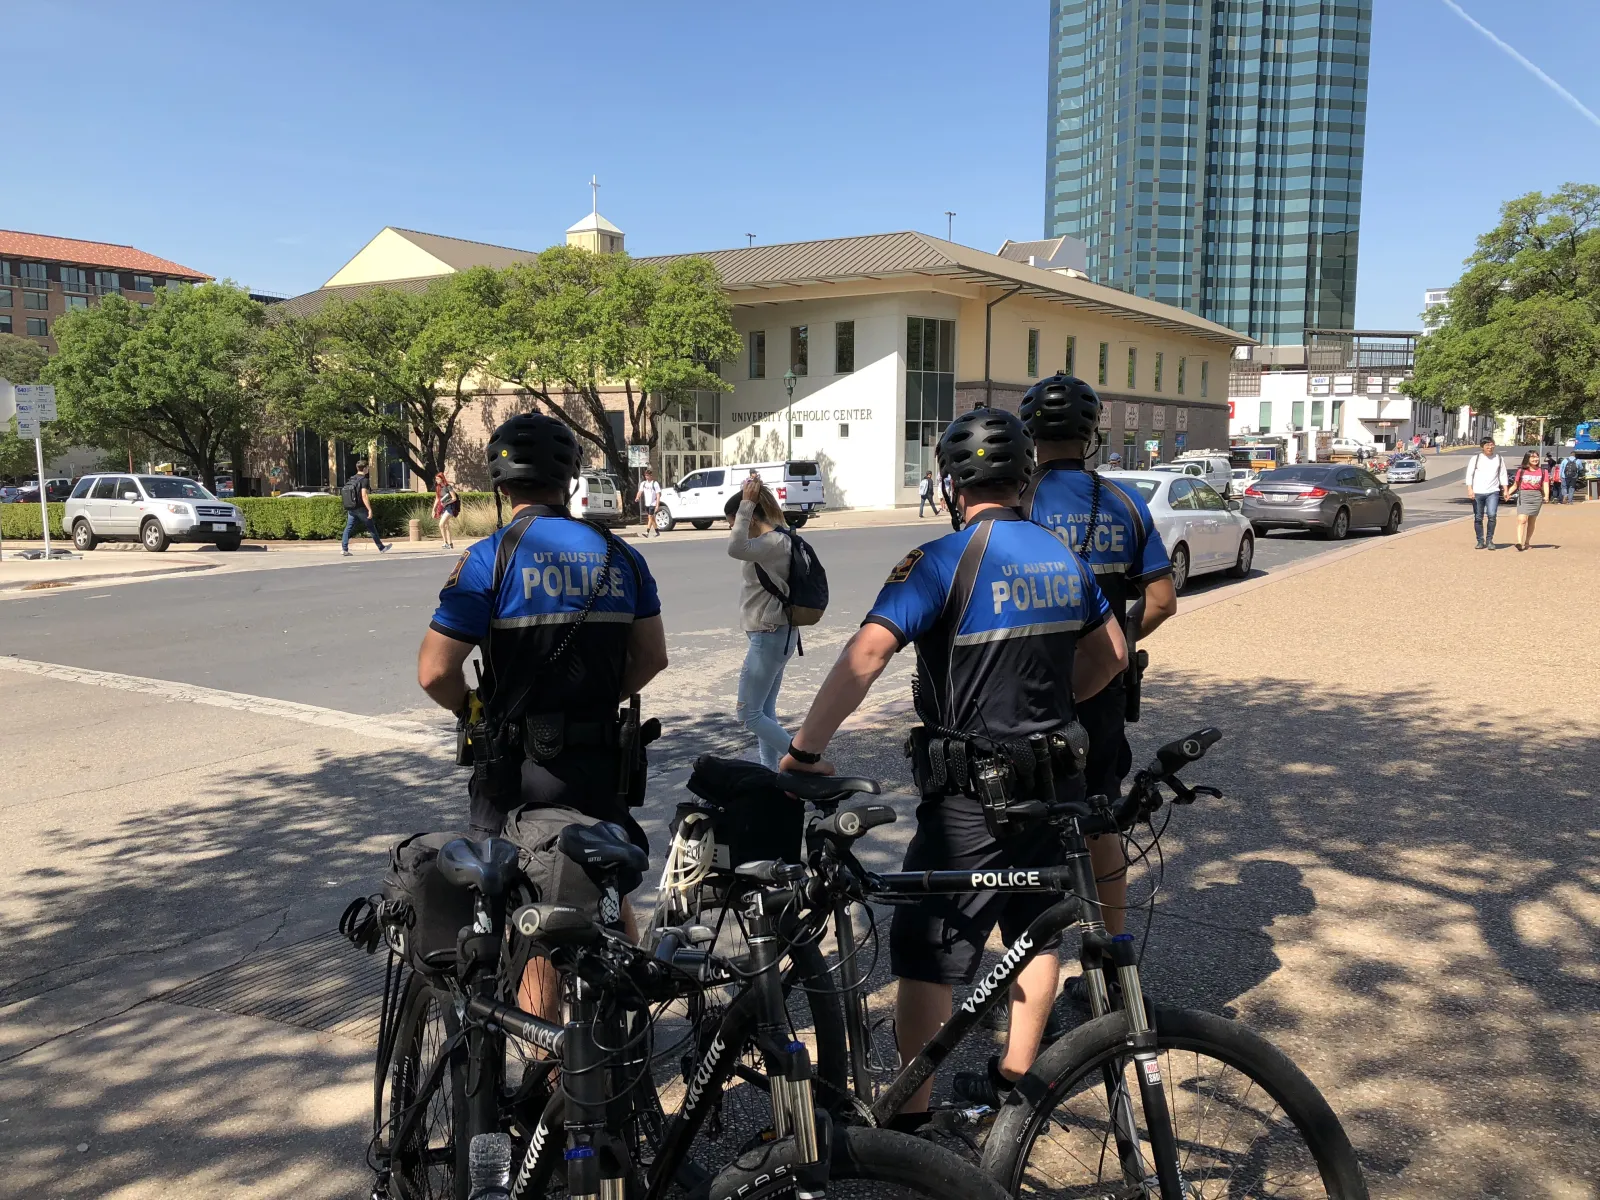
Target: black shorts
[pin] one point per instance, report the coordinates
(582, 780)
(940, 939)
(1110, 757)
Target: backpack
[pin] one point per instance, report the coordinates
(1572, 472)
(807, 597)
(350, 493)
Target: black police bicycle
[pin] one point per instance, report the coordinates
(1145, 1101)
(456, 1130)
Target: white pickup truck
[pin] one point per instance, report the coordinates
(699, 497)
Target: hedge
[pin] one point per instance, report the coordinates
(269, 517)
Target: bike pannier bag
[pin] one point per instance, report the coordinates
(753, 819)
(424, 914)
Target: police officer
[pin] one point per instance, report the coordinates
(1009, 625)
(1129, 561)
(570, 626)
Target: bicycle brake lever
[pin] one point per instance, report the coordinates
(1182, 793)
(1205, 789)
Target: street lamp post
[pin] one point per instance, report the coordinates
(788, 413)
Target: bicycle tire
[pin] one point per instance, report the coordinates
(1072, 1069)
(885, 1164)
(430, 1161)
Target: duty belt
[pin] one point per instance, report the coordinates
(546, 735)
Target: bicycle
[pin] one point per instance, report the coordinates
(604, 1105)
(1072, 1120)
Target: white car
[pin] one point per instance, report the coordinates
(701, 496)
(595, 495)
(1244, 477)
(154, 509)
(1215, 468)
(1201, 532)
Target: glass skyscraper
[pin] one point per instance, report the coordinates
(1209, 153)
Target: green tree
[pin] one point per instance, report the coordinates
(575, 324)
(171, 377)
(22, 361)
(388, 364)
(1521, 331)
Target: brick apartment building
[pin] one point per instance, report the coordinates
(42, 277)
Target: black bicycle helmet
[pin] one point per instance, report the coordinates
(1062, 408)
(986, 445)
(534, 450)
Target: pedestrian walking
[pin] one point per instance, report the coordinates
(1531, 485)
(754, 518)
(357, 496)
(925, 495)
(446, 508)
(1485, 481)
(648, 497)
(1570, 475)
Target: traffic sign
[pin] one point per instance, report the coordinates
(40, 397)
(27, 424)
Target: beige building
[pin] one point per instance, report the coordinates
(858, 351)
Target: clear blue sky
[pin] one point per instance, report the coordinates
(268, 142)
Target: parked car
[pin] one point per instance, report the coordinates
(1407, 470)
(1328, 498)
(305, 494)
(700, 496)
(1213, 466)
(1243, 477)
(55, 491)
(595, 495)
(1202, 532)
(1343, 445)
(10, 495)
(154, 509)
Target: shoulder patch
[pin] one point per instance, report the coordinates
(455, 572)
(902, 569)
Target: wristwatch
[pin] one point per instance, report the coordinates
(803, 756)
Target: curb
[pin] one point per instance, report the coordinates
(44, 585)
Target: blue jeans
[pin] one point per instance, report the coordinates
(924, 501)
(350, 524)
(759, 680)
(1486, 505)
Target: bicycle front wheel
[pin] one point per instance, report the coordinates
(1247, 1121)
(869, 1164)
(427, 1158)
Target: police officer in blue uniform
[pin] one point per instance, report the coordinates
(1109, 526)
(1009, 626)
(569, 624)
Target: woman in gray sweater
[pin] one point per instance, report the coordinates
(755, 540)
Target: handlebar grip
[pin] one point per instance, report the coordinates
(848, 824)
(1174, 756)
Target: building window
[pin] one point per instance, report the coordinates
(930, 391)
(75, 303)
(143, 283)
(1297, 418)
(1183, 364)
(5, 323)
(34, 272)
(1033, 354)
(758, 350)
(174, 285)
(799, 432)
(844, 429)
(844, 347)
(5, 297)
(1133, 368)
(1205, 383)
(110, 281)
(1338, 416)
(1266, 417)
(75, 279)
(1316, 413)
(39, 300)
(691, 438)
(1161, 362)
(38, 327)
(1071, 365)
(799, 349)
(1105, 361)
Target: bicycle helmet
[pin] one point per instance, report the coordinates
(1062, 408)
(986, 445)
(533, 450)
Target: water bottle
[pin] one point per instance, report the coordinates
(489, 1167)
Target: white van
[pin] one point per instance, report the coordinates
(595, 496)
(1213, 466)
(700, 496)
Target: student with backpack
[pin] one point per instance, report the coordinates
(783, 588)
(357, 496)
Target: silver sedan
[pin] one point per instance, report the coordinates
(1201, 531)
(1406, 470)
(1328, 498)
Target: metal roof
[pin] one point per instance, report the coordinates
(308, 303)
(908, 254)
(460, 254)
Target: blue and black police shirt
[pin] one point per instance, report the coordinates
(1002, 666)
(1125, 552)
(556, 565)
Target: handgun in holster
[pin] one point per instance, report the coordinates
(633, 735)
(1133, 676)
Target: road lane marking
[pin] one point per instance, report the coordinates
(403, 732)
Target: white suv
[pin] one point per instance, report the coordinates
(154, 509)
(700, 496)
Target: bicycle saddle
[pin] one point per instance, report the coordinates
(489, 865)
(824, 787)
(604, 845)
